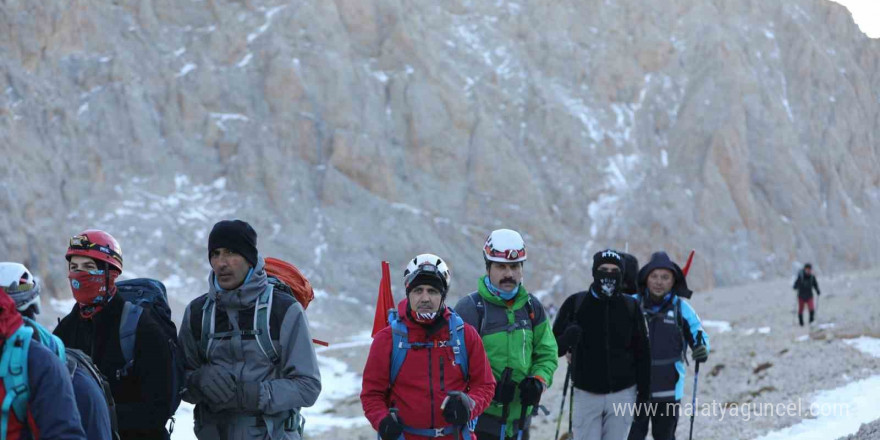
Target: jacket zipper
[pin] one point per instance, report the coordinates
(431, 384)
(607, 346)
(442, 376)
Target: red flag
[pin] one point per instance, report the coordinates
(384, 302)
(687, 266)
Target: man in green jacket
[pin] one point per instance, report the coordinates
(516, 334)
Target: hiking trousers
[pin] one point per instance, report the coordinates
(603, 416)
(663, 421)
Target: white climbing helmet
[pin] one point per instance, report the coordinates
(505, 246)
(18, 282)
(430, 266)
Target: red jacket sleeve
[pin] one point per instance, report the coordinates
(482, 385)
(377, 371)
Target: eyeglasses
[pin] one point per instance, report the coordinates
(509, 254)
(82, 242)
(426, 269)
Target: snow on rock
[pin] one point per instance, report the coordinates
(720, 326)
(866, 345)
(336, 383)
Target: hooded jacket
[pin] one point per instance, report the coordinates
(673, 325)
(142, 397)
(425, 377)
(804, 284)
(512, 339)
(51, 407)
(613, 352)
(293, 383)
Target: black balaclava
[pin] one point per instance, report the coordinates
(607, 284)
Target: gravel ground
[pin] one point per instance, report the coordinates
(764, 358)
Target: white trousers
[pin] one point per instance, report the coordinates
(603, 416)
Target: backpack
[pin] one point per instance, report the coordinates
(140, 295)
(282, 276)
(76, 359)
(14, 372)
(400, 344)
(481, 310)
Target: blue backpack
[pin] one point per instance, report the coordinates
(400, 345)
(14, 372)
(144, 294)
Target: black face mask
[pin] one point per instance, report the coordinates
(608, 283)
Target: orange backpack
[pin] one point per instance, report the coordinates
(287, 278)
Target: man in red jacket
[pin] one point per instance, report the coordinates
(419, 381)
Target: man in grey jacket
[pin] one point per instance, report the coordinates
(245, 387)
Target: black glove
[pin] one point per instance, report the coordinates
(390, 427)
(700, 353)
(213, 382)
(570, 337)
(457, 408)
(504, 391)
(530, 390)
(247, 396)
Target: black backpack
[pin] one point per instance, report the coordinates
(76, 359)
(144, 294)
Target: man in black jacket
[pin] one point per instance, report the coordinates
(141, 390)
(606, 333)
(804, 284)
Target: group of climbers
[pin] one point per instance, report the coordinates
(116, 367)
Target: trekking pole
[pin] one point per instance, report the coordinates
(562, 404)
(505, 410)
(696, 378)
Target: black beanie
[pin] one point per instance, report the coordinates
(607, 256)
(237, 236)
(428, 278)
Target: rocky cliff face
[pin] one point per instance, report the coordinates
(352, 131)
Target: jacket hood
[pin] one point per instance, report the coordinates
(245, 296)
(10, 319)
(660, 260)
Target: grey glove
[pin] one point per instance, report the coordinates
(247, 396)
(700, 353)
(213, 382)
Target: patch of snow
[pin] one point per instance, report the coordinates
(337, 382)
(720, 326)
(63, 306)
(408, 208)
(381, 76)
(223, 117)
(764, 330)
(803, 338)
(179, 52)
(769, 34)
(838, 412)
(319, 252)
(866, 344)
(262, 29)
(664, 158)
(246, 60)
(189, 67)
(82, 109)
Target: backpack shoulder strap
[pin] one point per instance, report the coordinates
(679, 322)
(399, 344)
(128, 324)
(456, 338)
(77, 359)
(13, 370)
(481, 310)
(261, 325)
(205, 340)
(50, 341)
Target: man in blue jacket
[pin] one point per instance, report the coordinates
(673, 325)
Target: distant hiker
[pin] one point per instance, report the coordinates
(804, 284)
(673, 325)
(516, 334)
(427, 375)
(94, 413)
(249, 360)
(606, 332)
(142, 382)
(38, 400)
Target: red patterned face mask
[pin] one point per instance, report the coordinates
(90, 289)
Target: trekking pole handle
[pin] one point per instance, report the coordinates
(700, 341)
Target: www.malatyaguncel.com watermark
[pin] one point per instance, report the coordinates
(745, 411)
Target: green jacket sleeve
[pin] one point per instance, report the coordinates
(544, 355)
